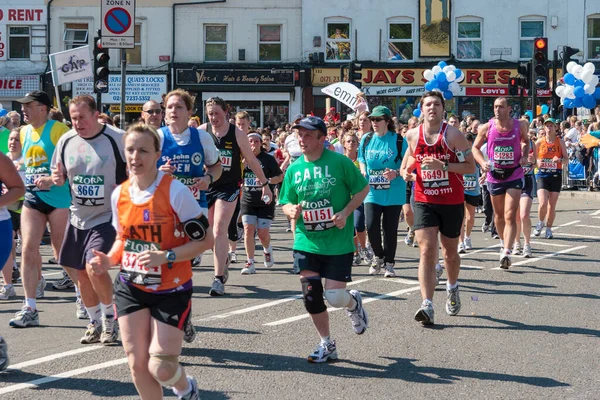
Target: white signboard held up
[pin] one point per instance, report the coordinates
(71, 65)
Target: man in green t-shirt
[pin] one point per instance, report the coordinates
(321, 191)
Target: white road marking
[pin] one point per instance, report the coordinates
(547, 243)
(331, 309)
(576, 235)
(52, 274)
(400, 280)
(531, 260)
(596, 212)
(68, 374)
(53, 357)
(265, 305)
(589, 226)
(479, 251)
(471, 267)
(566, 224)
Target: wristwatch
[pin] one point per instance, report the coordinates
(266, 183)
(171, 257)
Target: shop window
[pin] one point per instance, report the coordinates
(19, 42)
(269, 43)
(468, 40)
(134, 56)
(75, 35)
(529, 30)
(400, 41)
(593, 38)
(215, 43)
(276, 114)
(338, 44)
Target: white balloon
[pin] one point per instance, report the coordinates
(453, 85)
(452, 67)
(594, 80)
(462, 78)
(428, 74)
(589, 66)
(589, 89)
(570, 66)
(560, 90)
(577, 70)
(446, 69)
(436, 69)
(569, 92)
(455, 91)
(586, 75)
(450, 76)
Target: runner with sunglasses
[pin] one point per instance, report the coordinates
(152, 114)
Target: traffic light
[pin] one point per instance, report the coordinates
(101, 70)
(540, 62)
(513, 86)
(524, 70)
(568, 52)
(354, 74)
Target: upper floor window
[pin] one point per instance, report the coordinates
(76, 35)
(134, 56)
(215, 43)
(593, 38)
(269, 43)
(338, 44)
(19, 42)
(468, 40)
(529, 30)
(400, 41)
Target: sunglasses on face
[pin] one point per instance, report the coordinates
(377, 119)
(153, 112)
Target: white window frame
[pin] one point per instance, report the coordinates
(280, 43)
(413, 40)
(480, 39)
(522, 38)
(226, 42)
(587, 38)
(70, 44)
(9, 36)
(339, 20)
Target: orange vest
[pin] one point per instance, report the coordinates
(546, 153)
(151, 226)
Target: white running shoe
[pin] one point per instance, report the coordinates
(439, 271)
(7, 292)
(360, 320)
(269, 259)
(232, 257)
(249, 268)
(92, 333)
(468, 243)
(505, 261)
(517, 248)
(376, 266)
(323, 352)
(538, 228)
(24, 318)
(389, 270)
(110, 330)
(549, 234)
(461, 248)
(527, 251)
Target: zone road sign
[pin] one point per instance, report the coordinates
(118, 24)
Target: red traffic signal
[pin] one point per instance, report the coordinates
(541, 43)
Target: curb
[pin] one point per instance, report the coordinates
(580, 195)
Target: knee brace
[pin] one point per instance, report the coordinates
(167, 360)
(338, 297)
(312, 289)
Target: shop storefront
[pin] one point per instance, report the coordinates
(401, 88)
(139, 88)
(14, 87)
(269, 96)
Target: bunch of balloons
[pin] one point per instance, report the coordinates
(444, 78)
(3, 111)
(579, 88)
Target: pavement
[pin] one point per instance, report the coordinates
(529, 332)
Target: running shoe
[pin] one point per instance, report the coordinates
(468, 243)
(3, 354)
(517, 248)
(425, 314)
(18, 248)
(527, 251)
(495, 236)
(389, 270)
(80, 310)
(63, 284)
(439, 271)
(110, 330)
(360, 320)
(39, 290)
(485, 227)
(538, 228)
(370, 253)
(16, 274)
(53, 261)
(365, 256)
(376, 266)
(461, 248)
(409, 240)
(218, 288)
(269, 259)
(289, 227)
(452, 301)
(232, 257)
(24, 318)
(549, 234)
(194, 394)
(92, 333)
(323, 352)
(505, 261)
(197, 261)
(357, 259)
(7, 292)
(189, 332)
(249, 268)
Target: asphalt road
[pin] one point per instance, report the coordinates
(528, 333)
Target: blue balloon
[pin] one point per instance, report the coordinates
(569, 78)
(441, 76)
(597, 93)
(569, 103)
(442, 64)
(434, 84)
(458, 73)
(448, 95)
(529, 114)
(578, 82)
(3, 112)
(417, 112)
(545, 109)
(578, 102)
(579, 92)
(589, 101)
(429, 86)
(443, 86)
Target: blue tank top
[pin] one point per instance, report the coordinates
(471, 183)
(37, 164)
(188, 161)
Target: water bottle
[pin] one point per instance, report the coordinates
(266, 199)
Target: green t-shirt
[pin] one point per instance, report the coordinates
(4, 134)
(323, 188)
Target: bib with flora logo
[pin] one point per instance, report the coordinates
(131, 269)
